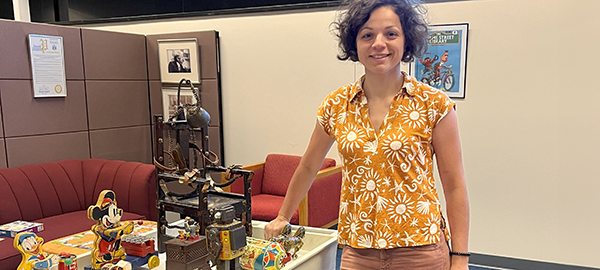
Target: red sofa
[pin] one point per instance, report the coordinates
(58, 194)
(319, 208)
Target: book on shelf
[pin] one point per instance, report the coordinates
(15, 227)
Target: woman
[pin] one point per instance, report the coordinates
(388, 127)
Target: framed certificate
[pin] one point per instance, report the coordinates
(47, 66)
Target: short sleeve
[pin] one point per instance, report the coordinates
(442, 104)
(325, 114)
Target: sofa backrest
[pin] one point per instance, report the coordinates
(279, 169)
(42, 190)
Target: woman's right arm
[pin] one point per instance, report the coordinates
(303, 177)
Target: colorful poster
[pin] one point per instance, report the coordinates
(444, 64)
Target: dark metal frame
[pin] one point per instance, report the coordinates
(204, 200)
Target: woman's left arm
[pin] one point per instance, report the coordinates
(446, 144)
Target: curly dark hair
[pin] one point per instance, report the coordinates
(355, 13)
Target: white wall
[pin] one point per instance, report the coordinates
(529, 124)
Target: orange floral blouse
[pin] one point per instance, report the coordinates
(388, 197)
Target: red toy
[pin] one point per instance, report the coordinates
(67, 261)
(140, 250)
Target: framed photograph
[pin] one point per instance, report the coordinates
(179, 58)
(444, 65)
(169, 98)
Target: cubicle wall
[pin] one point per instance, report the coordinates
(107, 110)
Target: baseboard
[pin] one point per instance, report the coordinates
(520, 264)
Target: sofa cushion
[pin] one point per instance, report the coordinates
(266, 207)
(128, 179)
(55, 227)
(47, 189)
(278, 172)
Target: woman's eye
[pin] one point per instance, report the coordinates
(364, 36)
(392, 34)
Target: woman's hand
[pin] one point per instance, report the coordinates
(275, 226)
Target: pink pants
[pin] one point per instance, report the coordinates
(428, 257)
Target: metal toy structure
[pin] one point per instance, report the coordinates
(184, 166)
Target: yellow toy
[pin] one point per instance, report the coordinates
(108, 231)
(30, 246)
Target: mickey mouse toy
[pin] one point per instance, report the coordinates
(109, 230)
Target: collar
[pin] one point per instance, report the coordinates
(409, 87)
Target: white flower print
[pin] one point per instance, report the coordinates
(369, 185)
(399, 187)
(421, 155)
(427, 130)
(351, 189)
(386, 180)
(365, 241)
(371, 146)
(402, 209)
(413, 115)
(396, 147)
(344, 207)
(368, 160)
(389, 198)
(423, 207)
(370, 207)
(432, 113)
(331, 122)
(414, 222)
(386, 224)
(383, 238)
(350, 226)
(352, 160)
(448, 102)
(342, 117)
(408, 239)
(431, 231)
(351, 137)
(381, 203)
(341, 240)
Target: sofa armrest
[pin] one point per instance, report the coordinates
(256, 183)
(322, 199)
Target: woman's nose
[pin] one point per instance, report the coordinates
(378, 42)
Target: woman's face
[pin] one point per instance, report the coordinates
(380, 42)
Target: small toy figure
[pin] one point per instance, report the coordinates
(191, 228)
(30, 246)
(109, 230)
(291, 243)
(67, 261)
(190, 231)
